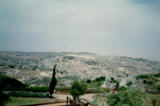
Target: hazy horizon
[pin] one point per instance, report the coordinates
(106, 27)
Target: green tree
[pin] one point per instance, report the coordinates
(53, 82)
(129, 83)
(77, 90)
(128, 97)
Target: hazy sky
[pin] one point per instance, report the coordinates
(108, 27)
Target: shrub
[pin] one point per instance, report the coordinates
(27, 94)
(101, 78)
(36, 89)
(112, 80)
(3, 98)
(158, 88)
(122, 88)
(8, 83)
(142, 77)
(157, 75)
(129, 83)
(128, 97)
(145, 81)
(88, 81)
(108, 90)
(95, 84)
(78, 89)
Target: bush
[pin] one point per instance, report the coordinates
(101, 78)
(142, 77)
(145, 81)
(27, 94)
(78, 89)
(8, 83)
(112, 80)
(3, 98)
(108, 90)
(157, 75)
(36, 89)
(128, 97)
(122, 88)
(129, 83)
(95, 84)
(158, 88)
(88, 81)
(44, 89)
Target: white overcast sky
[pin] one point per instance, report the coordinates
(108, 27)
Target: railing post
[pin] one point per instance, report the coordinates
(67, 100)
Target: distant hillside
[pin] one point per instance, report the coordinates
(35, 68)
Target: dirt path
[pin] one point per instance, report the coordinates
(56, 104)
(63, 97)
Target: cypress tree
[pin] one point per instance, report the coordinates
(53, 82)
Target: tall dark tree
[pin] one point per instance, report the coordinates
(53, 82)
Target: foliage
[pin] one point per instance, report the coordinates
(146, 76)
(142, 76)
(45, 89)
(95, 83)
(112, 80)
(129, 83)
(88, 81)
(101, 78)
(36, 89)
(3, 85)
(157, 75)
(128, 97)
(158, 88)
(99, 100)
(122, 88)
(8, 83)
(154, 100)
(78, 89)
(108, 90)
(53, 82)
(27, 94)
(3, 98)
(117, 85)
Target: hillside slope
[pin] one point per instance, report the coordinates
(35, 68)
